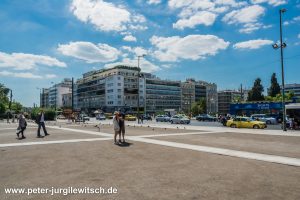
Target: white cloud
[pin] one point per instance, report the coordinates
(89, 52)
(105, 16)
(205, 12)
(129, 38)
(27, 75)
(137, 51)
(294, 20)
(250, 27)
(154, 1)
(191, 47)
(23, 61)
(270, 2)
(145, 65)
(247, 16)
(202, 17)
(252, 44)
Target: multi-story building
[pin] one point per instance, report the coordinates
(192, 91)
(44, 98)
(53, 96)
(162, 95)
(111, 89)
(225, 98)
(67, 100)
(117, 88)
(295, 88)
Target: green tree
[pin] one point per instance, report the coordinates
(4, 101)
(199, 107)
(274, 88)
(17, 107)
(256, 93)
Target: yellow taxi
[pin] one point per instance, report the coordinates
(130, 118)
(245, 122)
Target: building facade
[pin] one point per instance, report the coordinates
(53, 97)
(295, 88)
(162, 94)
(110, 89)
(225, 98)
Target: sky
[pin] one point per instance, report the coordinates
(227, 42)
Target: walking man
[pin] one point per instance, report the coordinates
(22, 126)
(122, 126)
(41, 123)
(116, 127)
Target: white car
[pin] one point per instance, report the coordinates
(179, 119)
(264, 118)
(162, 118)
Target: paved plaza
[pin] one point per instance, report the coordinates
(159, 161)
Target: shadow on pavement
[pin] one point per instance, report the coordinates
(124, 144)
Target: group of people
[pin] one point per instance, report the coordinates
(40, 120)
(119, 127)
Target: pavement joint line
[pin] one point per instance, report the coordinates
(207, 149)
(15, 128)
(52, 142)
(227, 152)
(82, 131)
(214, 150)
(178, 134)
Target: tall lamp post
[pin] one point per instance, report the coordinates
(138, 100)
(282, 45)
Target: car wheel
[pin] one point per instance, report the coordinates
(268, 122)
(233, 126)
(256, 127)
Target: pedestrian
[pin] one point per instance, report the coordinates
(22, 126)
(116, 126)
(122, 126)
(40, 120)
(142, 119)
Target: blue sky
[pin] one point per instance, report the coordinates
(227, 42)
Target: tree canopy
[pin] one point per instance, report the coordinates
(256, 93)
(274, 88)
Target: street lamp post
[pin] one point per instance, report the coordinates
(138, 100)
(282, 46)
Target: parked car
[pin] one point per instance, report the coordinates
(278, 117)
(100, 117)
(130, 118)
(206, 117)
(147, 117)
(82, 118)
(61, 117)
(162, 118)
(245, 122)
(264, 118)
(178, 119)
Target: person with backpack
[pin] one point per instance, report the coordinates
(40, 120)
(22, 126)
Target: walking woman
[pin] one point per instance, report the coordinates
(22, 126)
(116, 126)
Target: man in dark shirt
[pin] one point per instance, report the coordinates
(122, 126)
